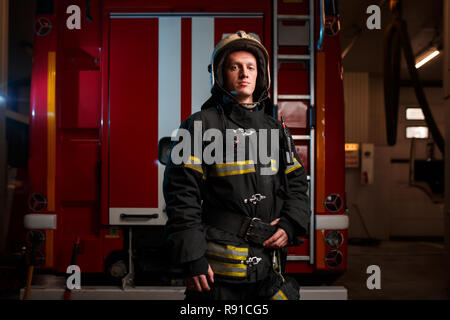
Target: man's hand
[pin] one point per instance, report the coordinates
(278, 240)
(200, 283)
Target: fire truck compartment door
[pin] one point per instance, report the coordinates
(157, 77)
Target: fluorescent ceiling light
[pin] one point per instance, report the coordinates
(414, 114)
(417, 132)
(426, 56)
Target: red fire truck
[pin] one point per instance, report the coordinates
(111, 79)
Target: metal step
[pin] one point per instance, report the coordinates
(165, 293)
(298, 17)
(294, 96)
(297, 258)
(324, 293)
(301, 137)
(293, 57)
(107, 293)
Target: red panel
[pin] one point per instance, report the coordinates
(293, 78)
(231, 25)
(68, 116)
(81, 99)
(293, 7)
(133, 171)
(80, 221)
(293, 50)
(80, 166)
(88, 97)
(186, 68)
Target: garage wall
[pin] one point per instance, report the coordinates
(356, 97)
(388, 206)
(377, 115)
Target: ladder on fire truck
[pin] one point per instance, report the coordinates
(278, 58)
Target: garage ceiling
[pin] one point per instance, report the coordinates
(424, 20)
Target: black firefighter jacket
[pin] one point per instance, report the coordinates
(195, 190)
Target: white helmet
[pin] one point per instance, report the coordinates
(236, 42)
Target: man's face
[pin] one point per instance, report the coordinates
(240, 75)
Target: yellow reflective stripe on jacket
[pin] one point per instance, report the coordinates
(232, 168)
(237, 249)
(194, 163)
(279, 296)
(292, 167)
(227, 251)
(228, 269)
(196, 167)
(240, 163)
(232, 173)
(235, 267)
(224, 255)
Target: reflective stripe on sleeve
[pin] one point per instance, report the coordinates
(196, 167)
(296, 165)
(195, 164)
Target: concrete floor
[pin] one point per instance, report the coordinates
(409, 270)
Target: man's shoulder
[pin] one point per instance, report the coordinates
(207, 117)
(202, 114)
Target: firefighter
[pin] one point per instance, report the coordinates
(227, 221)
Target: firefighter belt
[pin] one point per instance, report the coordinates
(252, 230)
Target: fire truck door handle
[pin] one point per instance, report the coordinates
(139, 216)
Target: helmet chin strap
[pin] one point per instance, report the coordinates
(247, 105)
(235, 94)
(227, 95)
